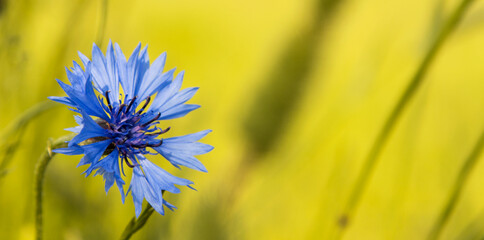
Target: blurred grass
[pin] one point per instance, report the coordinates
(274, 102)
(299, 98)
(371, 161)
(457, 189)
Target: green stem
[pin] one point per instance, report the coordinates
(25, 118)
(416, 81)
(39, 174)
(136, 224)
(12, 135)
(457, 188)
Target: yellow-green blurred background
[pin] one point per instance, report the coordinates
(295, 92)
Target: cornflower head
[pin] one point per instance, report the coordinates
(120, 104)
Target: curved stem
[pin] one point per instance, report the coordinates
(39, 174)
(133, 226)
(416, 81)
(136, 224)
(12, 134)
(26, 117)
(457, 188)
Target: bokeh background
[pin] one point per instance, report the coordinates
(295, 91)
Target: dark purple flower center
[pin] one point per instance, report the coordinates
(131, 130)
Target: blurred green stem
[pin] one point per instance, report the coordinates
(39, 174)
(11, 136)
(474, 229)
(457, 188)
(25, 118)
(133, 226)
(371, 159)
(136, 224)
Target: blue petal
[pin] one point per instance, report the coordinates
(84, 99)
(108, 164)
(188, 138)
(85, 60)
(100, 76)
(196, 148)
(103, 72)
(121, 189)
(77, 69)
(122, 70)
(93, 152)
(170, 101)
(150, 80)
(76, 129)
(90, 130)
(78, 119)
(181, 150)
(112, 72)
(63, 100)
(72, 150)
(138, 182)
(180, 158)
(161, 179)
(142, 67)
(109, 178)
(167, 92)
(162, 81)
(179, 98)
(129, 83)
(76, 79)
(178, 111)
(140, 188)
(169, 205)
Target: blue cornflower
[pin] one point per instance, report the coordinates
(120, 104)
